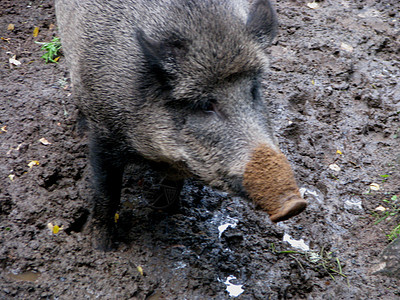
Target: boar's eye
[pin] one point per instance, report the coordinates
(208, 106)
(204, 106)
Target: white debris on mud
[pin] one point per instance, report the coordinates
(298, 244)
(312, 192)
(353, 204)
(224, 221)
(225, 226)
(234, 290)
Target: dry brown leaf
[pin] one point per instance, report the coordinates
(44, 141)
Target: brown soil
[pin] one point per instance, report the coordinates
(334, 85)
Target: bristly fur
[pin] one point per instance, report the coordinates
(193, 57)
(175, 82)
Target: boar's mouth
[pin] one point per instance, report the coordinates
(269, 181)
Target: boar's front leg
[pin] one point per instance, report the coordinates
(107, 164)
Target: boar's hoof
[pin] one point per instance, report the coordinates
(291, 207)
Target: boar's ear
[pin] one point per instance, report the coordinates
(149, 47)
(262, 21)
(165, 56)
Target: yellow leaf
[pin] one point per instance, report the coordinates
(56, 229)
(33, 163)
(36, 32)
(11, 27)
(116, 217)
(140, 270)
(11, 176)
(338, 152)
(56, 59)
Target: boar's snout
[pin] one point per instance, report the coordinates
(269, 181)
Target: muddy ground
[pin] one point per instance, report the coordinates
(333, 85)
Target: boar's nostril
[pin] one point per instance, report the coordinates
(269, 181)
(290, 207)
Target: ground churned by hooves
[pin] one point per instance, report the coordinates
(269, 181)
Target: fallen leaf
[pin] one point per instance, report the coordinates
(11, 27)
(44, 141)
(334, 167)
(14, 149)
(116, 217)
(33, 163)
(338, 152)
(374, 186)
(346, 47)
(13, 60)
(56, 229)
(313, 5)
(36, 32)
(5, 39)
(140, 270)
(11, 176)
(4, 128)
(380, 208)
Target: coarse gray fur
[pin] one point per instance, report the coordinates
(173, 81)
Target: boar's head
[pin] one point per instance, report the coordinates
(203, 104)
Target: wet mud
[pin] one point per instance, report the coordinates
(334, 94)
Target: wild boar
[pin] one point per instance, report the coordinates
(178, 83)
